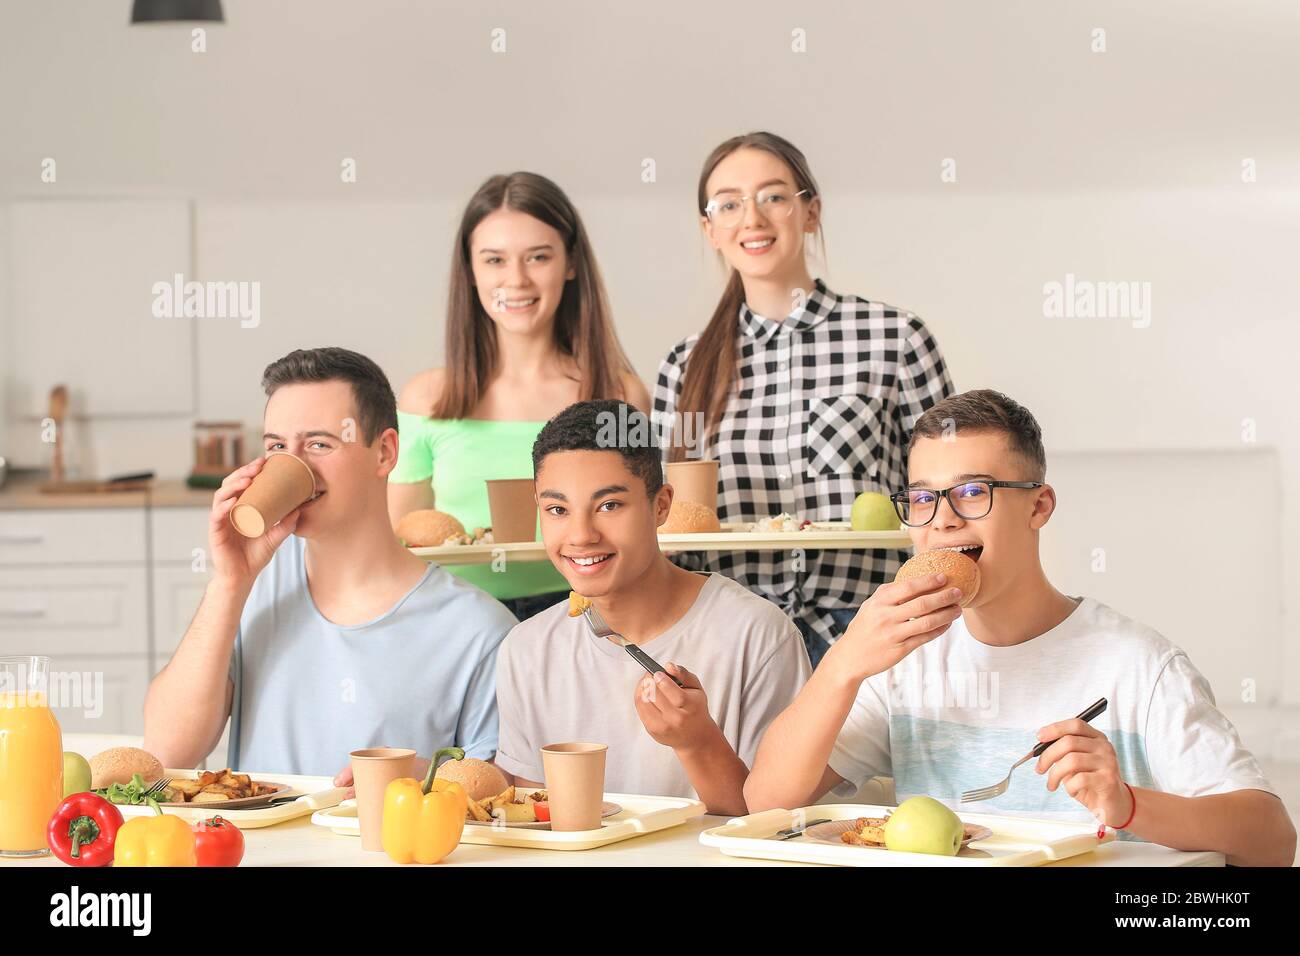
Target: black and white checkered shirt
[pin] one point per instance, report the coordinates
(822, 409)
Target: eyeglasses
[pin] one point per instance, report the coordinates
(774, 202)
(971, 499)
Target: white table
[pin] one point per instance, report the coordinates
(299, 842)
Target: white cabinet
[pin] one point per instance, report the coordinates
(177, 590)
(76, 536)
(72, 611)
(94, 694)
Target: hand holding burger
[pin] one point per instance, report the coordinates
(925, 598)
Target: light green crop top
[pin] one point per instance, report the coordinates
(456, 456)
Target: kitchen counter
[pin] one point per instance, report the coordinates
(22, 493)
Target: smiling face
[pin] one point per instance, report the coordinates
(317, 421)
(520, 269)
(765, 243)
(1005, 541)
(598, 523)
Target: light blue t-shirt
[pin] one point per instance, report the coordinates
(308, 692)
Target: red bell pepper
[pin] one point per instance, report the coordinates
(83, 830)
(218, 842)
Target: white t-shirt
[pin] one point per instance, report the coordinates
(556, 683)
(956, 713)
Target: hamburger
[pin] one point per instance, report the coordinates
(428, 528)
(119, 764)
(962, 571)
(479, 778)
(690, 517)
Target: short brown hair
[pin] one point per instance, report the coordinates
(986, 410)
(376, 405)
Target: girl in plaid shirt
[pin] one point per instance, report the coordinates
(803, 411)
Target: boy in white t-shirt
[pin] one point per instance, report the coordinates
(946, 699)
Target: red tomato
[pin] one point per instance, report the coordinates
(542, 810)
(218, 842)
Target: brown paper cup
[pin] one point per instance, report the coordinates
(514, 509)
(575, 784)
(284, 483)
(694, 481)
(372, 771)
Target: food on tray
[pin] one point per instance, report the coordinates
(781, 522)
(962, 572)
(430, 528)
(508, 806)
(577, 604)
(924, 825)
(479, 778)
(867, 831)
(216, 786)
(120, 764)
(873, 511)
(690, 517)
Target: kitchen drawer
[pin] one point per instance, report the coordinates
(99, 694)
(91, 536)
(177, 532)
(74, 611)
(176, 594)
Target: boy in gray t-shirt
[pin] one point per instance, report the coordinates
(601, 501)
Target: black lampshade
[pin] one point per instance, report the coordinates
(160, 11)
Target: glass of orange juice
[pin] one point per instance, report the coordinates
(31, 756)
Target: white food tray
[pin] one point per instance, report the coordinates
(640, 815)
(821, 536)
(1016, 841)
(317, 793)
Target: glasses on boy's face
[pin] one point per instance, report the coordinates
(774, 202)
(970, 499)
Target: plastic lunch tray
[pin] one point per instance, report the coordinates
(822, 536)
(317, 793)
(640, 815)
(1016, 841)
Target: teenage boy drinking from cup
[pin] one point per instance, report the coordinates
(602, 497)
(909, 688)
(325, 634)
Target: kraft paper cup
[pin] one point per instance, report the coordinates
(575, 784)
(514, 509)
(694, 481)
(284, 483)
(372, 771)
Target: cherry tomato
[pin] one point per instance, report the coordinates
(542, 810)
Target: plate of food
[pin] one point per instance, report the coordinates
(526, 810)
(870, 832)
(221, 790)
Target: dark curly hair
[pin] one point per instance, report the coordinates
(605, 425)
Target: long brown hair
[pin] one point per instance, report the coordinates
(582, 325)
(711, 368)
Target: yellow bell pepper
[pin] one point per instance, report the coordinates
(423, 822)
(162, 840)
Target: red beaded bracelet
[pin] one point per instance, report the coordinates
(1101, 830)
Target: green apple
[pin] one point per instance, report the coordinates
(76, 773)
(873, 511)
(924, 825)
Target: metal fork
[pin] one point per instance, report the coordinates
(158, 786)
(988, 793)
(601, 629)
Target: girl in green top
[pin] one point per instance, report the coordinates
(528, 334)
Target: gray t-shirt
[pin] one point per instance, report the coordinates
(308, 692)
(556, 683)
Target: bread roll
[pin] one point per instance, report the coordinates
(479, 778)
(962, 571)
(690, 517)
(428, 528)
(118, 764)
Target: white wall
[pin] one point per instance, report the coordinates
(1124, 165)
